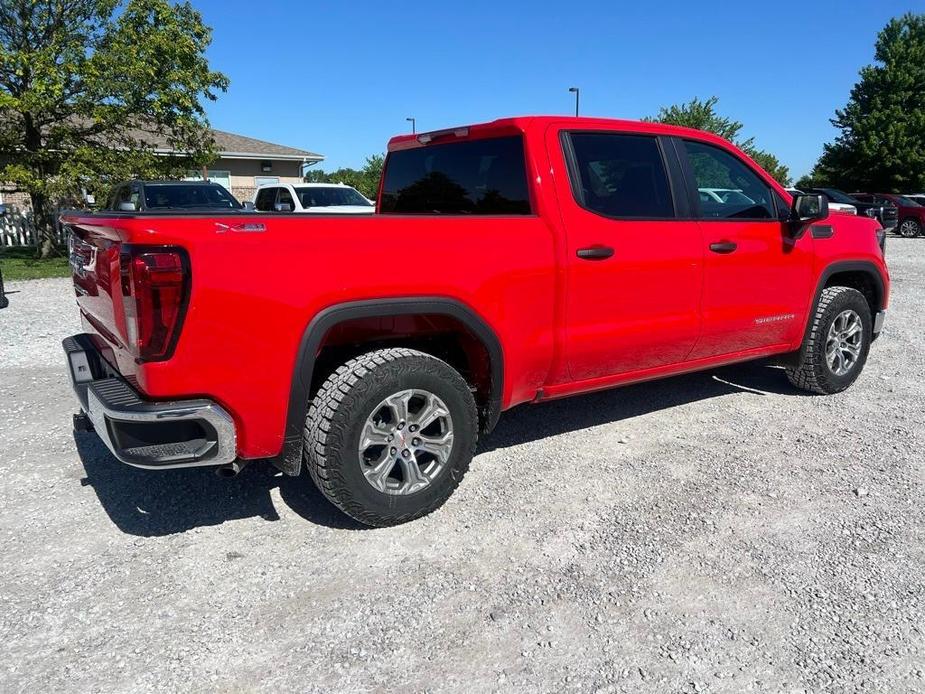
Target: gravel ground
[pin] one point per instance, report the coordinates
(718, 532)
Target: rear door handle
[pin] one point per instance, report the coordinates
(595, 253)
(723, 247)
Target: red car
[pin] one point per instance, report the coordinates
(911, 215)
(509, 262)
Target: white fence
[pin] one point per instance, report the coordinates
(17, 229)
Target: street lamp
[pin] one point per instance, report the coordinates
(413, 127)
(575, 90)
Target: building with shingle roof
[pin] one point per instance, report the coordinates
(242, 165)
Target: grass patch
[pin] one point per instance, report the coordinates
(21, 264)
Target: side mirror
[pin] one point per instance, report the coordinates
(248, 205)
(805, 210)
(126, 206)
(810, 208)
(282, 207)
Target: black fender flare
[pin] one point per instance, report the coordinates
(289, 459)
(865, 266)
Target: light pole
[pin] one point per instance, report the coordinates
(413, 126)
(575, 89)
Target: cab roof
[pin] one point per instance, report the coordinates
(520, 124)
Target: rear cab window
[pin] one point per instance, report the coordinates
(471, 177)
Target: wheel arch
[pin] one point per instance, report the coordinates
(863, 275)
(858, 274)
(290, 458)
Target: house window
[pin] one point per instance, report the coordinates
(266, 166)
(223, 178)
(266, 180)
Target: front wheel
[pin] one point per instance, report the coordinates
(910, 228)
(835, 350)
(390, 435)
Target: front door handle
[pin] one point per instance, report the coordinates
(723, 247)
(595, 253)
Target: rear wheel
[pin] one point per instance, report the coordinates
(390, 435)
(835, 350)
(910, 228)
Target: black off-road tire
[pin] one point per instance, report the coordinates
(812, 372)
(339, 410)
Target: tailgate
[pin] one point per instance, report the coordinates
(94, 254)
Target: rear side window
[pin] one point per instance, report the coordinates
(621, 176)
(726, 187)
(478, 177)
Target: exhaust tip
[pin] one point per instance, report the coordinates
(230, 470)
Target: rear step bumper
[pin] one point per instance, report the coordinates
(144, 433)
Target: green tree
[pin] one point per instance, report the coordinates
(701, 115)
(808, 181)
(84, 85)
(365, 180)
(881, 146)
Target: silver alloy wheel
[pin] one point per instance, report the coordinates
(909, 229)
(406, 442)
(844, 342)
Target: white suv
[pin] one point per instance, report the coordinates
(312, 198)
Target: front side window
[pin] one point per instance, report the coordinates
(727, 188)
(121, 195)
(285, 198)
(621, 176)
(472, 177)
(266, 197)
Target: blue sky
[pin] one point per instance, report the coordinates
(340, 78)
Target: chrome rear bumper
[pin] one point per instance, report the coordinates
(145, 433)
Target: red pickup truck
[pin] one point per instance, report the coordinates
(510, 262)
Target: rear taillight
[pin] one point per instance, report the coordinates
(155, 286)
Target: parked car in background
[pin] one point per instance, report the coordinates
(374, 351)
(842, 207)
(312, 198)
(911, 213)
(885, 214)
(151, 196)
(724, 195)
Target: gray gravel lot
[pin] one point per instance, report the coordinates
(718, 532)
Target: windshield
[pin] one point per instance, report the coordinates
(838, 196)
(321, 196)
(906, 202)
(185, 196)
